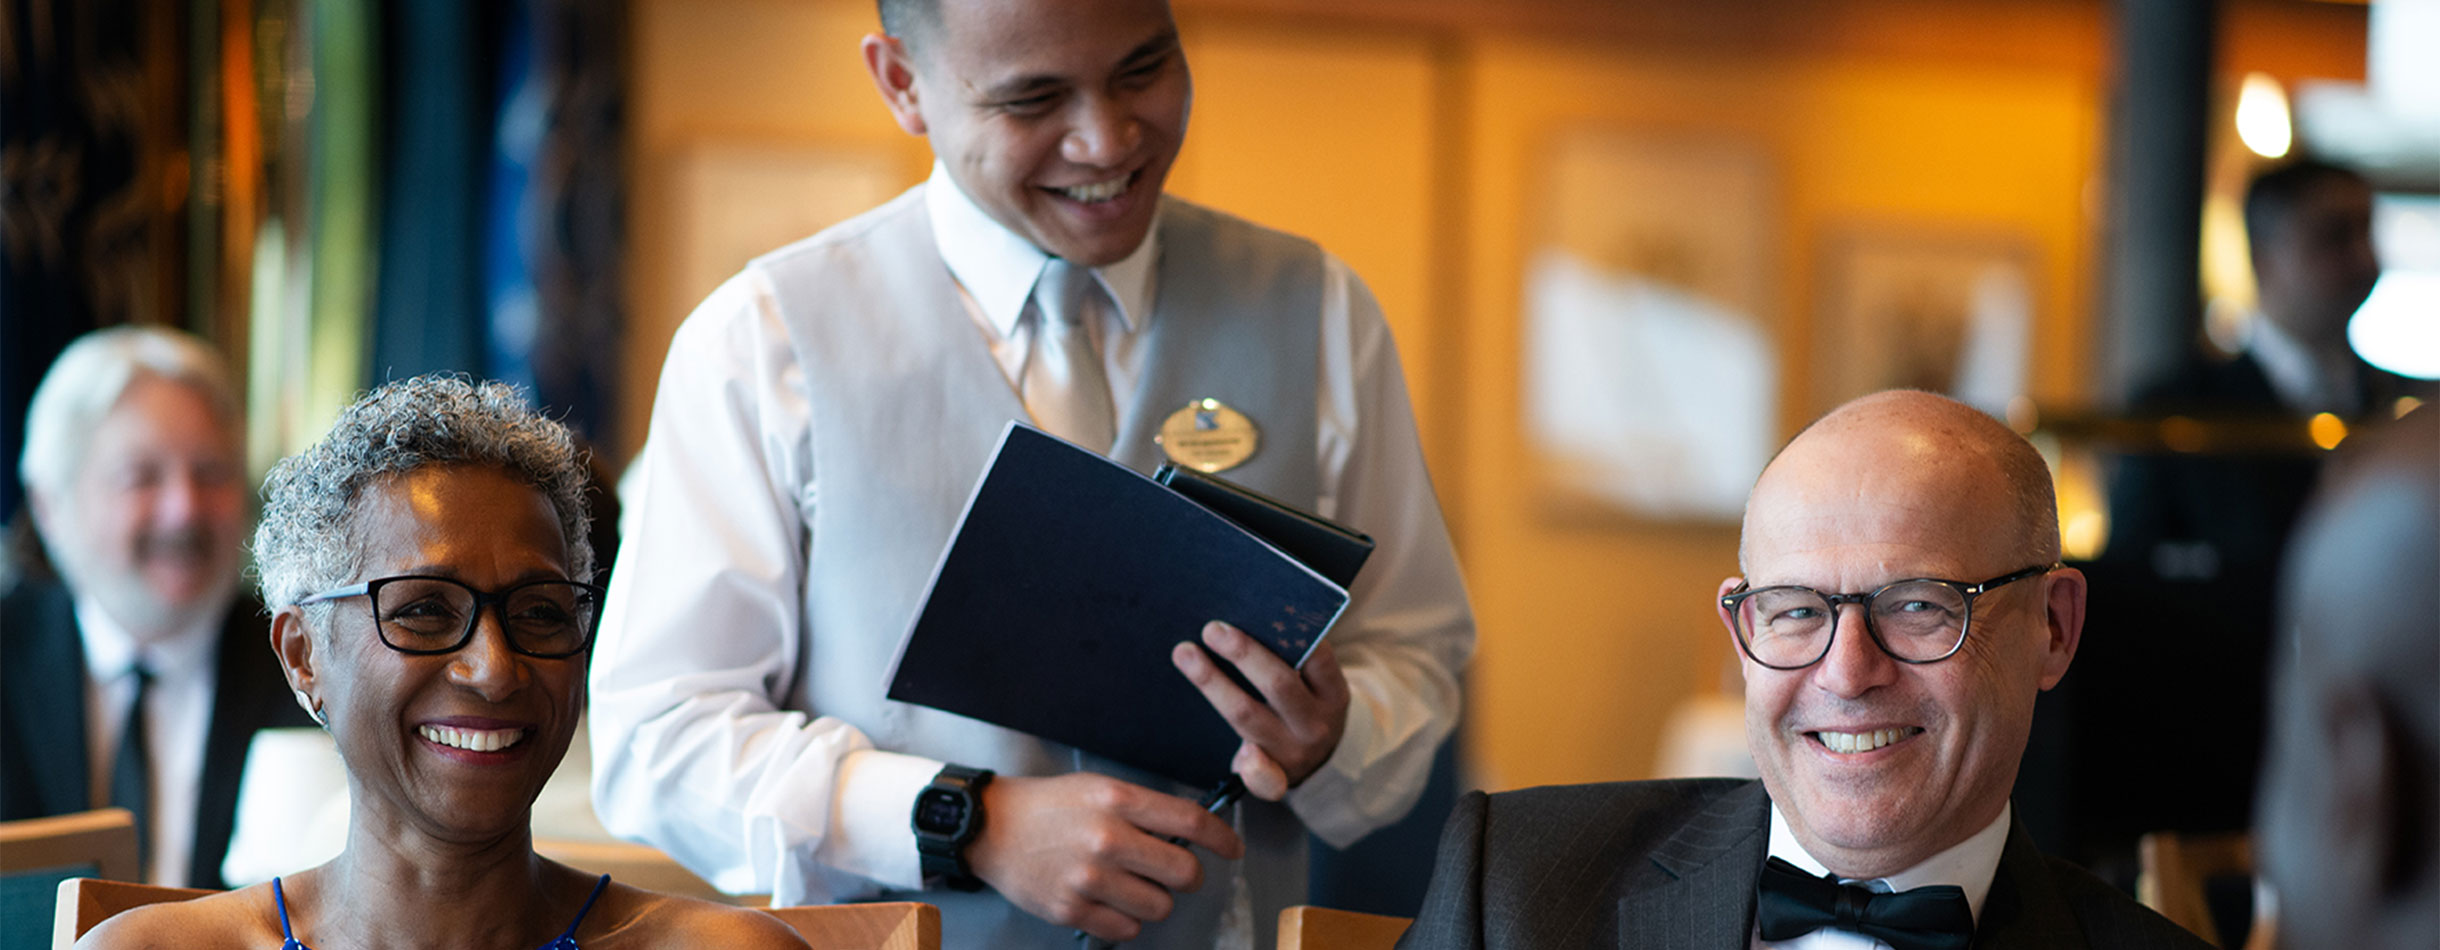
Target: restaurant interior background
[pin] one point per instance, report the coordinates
(1686, 226)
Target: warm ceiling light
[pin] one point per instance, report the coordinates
(2327, 431)
(2262, 116)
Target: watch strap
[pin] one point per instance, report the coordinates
(948, 816)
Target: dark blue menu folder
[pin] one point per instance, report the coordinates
(1069, 579)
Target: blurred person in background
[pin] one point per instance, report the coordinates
(2197, 536)
(2309, 230)
(137, 677)
(2348, 832)
(430, 560)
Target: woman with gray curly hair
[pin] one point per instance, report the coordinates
(428, 569)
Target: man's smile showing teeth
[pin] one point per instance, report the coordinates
(472, 740)
(1098, 192)
(1851, 742)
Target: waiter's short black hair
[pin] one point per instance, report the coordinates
(2273, 196)
(910, 21)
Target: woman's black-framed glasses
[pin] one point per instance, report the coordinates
(425, 615)
(1917, 620)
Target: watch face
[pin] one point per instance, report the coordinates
(939, 811)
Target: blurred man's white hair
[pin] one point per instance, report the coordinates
(86, 382)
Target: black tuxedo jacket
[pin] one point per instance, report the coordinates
(2179, 630)
(2238, 386)
(42, 716)
(2241, 505)
(1672, 865)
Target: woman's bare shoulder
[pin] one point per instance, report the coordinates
(653, 919)
(241, 919)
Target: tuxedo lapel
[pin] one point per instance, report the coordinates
(1704, 898)
(44, 673)
(2024, 908)
(2245, 385)
(248, 694)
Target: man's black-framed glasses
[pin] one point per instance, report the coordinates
(1917, 620)
(425, 615)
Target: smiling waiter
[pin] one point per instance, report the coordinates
(821, 419)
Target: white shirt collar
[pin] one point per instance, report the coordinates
(2305, 379)
(997, 268)
(1970, 864)
(110, 651)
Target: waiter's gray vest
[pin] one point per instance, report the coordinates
(907, 406)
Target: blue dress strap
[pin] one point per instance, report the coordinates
(567, 941)
(288, 938)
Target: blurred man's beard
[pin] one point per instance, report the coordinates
(186, 548)
(128, 594)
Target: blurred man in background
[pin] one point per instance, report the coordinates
(139, 675)
(2197, 532)
(2309, 228)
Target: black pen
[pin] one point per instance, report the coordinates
(1213, 801)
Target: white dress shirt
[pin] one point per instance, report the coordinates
(732, 411)
(995, 271)
(1970, 865)
(177, 717)
(2306, 380)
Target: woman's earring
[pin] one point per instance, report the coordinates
(311, 709)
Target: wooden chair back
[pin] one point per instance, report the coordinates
(905, 925)
(2173, 868)
(100, 843)
(85, 902)
(1305, 927)
(635, 865)
(36, 854)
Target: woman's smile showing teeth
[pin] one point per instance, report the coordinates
(471, 740)
(1853, 742)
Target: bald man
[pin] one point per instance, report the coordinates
(2347, 834)
(1900, 606)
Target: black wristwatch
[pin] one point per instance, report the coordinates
(948, 815)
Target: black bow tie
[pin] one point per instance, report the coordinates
(1790, 903)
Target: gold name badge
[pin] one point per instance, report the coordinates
(1208, 436)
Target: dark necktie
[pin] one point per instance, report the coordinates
(131, 768)
(1790, 903)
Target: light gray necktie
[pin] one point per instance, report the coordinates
(1064, 386)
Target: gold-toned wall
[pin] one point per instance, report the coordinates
(1409, 139)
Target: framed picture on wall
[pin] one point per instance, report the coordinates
(1650, 376)
(1946, 310)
